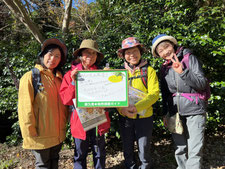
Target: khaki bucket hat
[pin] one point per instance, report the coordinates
(89, 44)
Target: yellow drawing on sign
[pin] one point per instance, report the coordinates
(117, 77)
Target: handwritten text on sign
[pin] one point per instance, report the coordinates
(102, 88)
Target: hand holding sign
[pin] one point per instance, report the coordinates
(73, 74)
(130, 111)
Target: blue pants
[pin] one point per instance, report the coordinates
(139, 130)
(47, 158)
(189, 145)
(98, 149)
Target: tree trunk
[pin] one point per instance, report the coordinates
(14, 78)
(19, 12)
(67, 15)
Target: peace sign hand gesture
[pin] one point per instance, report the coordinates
(177, 65)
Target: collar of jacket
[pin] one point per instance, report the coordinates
(48, 72)
(133, 68)
(79, 66)
(179, 52)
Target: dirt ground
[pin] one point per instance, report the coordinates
(162, 154)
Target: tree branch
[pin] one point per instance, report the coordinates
(28, 7)
(96, 27)
(19, 12)
(4, 27)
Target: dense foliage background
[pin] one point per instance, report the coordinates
(199, 25)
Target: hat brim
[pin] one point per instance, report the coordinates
(163, 38)
(120, 51)
(58, 43)
(99, 58)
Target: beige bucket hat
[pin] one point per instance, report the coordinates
(89, 44)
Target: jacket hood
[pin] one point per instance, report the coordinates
(48, 72)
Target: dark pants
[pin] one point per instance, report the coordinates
(139, 130)
(97, 147)
(47, 158)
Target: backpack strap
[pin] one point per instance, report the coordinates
(144, 75)
(185, 60)
(36, 81)
(188, 96)
(71, 109)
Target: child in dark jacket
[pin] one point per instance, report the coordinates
(180, 87)
(90, 57)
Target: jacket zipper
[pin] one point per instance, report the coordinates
(57, 107)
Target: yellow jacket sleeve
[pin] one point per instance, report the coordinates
(26, 114)
(153, 91)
